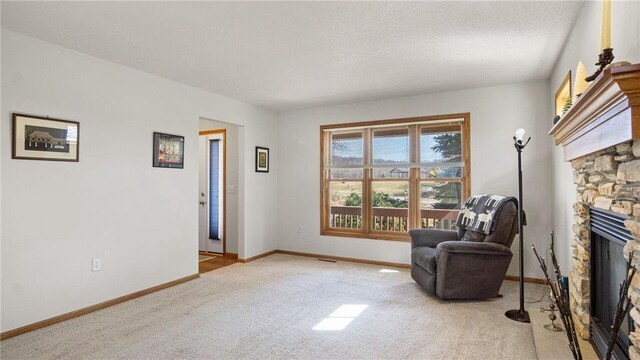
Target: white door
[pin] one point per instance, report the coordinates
(211, 193)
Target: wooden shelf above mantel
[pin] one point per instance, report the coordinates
(606, 114)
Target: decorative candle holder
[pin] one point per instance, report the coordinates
(552, 315)
(604, 59)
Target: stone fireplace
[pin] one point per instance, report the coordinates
(600, 134)
(610, 180)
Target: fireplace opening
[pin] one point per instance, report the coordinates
(608, 270)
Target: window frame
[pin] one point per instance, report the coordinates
(415, 177)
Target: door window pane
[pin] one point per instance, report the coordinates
(345, 200)
(347, 148)
(391, 146)
(390, 205)
(214, 187)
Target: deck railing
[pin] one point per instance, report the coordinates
(390, 219)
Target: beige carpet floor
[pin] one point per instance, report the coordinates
(268, 309)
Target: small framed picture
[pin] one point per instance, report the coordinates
(262, 159)
(168, 151)
(44, 138)
(564, 95)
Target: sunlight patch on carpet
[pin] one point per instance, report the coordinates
(388, 271)
(340, 318)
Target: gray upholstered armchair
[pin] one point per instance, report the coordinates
(464, 264)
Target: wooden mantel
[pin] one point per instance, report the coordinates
(606, 114)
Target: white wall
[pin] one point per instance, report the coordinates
(3, 125)
(141, 221)
(583, 44)
(495, 114)
(233, 148)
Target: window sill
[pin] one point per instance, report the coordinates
(402, 237)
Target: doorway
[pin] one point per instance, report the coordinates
(220, 209)
(211, 193)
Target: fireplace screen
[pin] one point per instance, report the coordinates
(608, 270)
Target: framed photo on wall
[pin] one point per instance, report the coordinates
(262, 159)
(168, 151)
(44, 138)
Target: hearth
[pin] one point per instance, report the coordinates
(608, 270)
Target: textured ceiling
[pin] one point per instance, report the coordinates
(287, 55)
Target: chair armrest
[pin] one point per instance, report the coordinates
(470, 270)
(469, 247)
(431, 237)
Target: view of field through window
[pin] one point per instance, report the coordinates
(440, 172)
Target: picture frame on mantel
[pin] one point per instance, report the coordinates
(564, 95)
(44, 138)
(262, 159)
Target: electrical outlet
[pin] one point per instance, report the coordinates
(96, 265)
(300, 229)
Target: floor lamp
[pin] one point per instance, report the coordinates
(521, 314)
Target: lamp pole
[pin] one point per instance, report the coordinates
(520, 314)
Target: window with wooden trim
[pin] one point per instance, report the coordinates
(382, 178)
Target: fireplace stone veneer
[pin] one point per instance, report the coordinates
(608, 179)
(600, 136)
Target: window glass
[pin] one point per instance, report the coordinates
(439, 204)
(391, 146)
(391, 173)
(440, 146)
(440, 195)
(345, 199)
(439, 172)
(390, 205)
(347, 148)
(346, 174)
(409, 175)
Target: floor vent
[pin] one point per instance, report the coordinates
(328, 260)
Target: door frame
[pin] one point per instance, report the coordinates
(224, 182)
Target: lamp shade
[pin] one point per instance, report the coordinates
(519, 134)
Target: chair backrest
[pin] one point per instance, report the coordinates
(505, 232)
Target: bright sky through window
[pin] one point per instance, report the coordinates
(396, 148)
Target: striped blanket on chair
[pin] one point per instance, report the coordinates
(480, 212)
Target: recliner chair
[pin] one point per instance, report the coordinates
(463, 264)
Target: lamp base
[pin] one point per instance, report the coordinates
(517, 315)
(553, 328)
